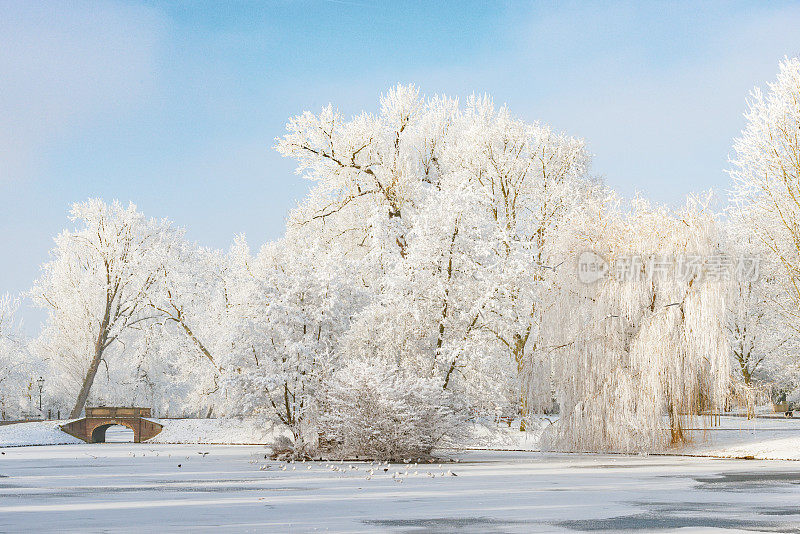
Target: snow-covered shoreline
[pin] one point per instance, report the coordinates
(35, 433)
(734, 437)
(233, 431)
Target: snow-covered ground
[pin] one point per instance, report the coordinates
(235, 431)
(775, 438)
(195, 488)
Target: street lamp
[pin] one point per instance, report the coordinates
(40, 383)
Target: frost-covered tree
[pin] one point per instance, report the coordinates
(753, 334)
(15, 363)
(371, 170)
(183, 347)
(766, 180)
(194, 297)
(530, 181)
(762, 344)
(378, 199)
(21, 365)
(96, 286)
(638, 352)
(289, 308)
(428, 305)
(449, 214)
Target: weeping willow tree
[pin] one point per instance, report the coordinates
(639, 353)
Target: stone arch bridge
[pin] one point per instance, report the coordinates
(92, 428)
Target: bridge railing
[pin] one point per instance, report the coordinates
(117, 411)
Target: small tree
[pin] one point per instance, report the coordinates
(16, 365)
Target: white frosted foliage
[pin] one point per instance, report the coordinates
(639, 357)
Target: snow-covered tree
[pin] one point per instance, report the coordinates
(15, 364)
(452, 216)
(645, 345)
(289, 308)
(530, 181)
(427, 307)
(97, 284)
(766, 178)
(370, 170)
(763, 346)
(182, 348)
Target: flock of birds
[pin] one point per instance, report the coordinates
(397, 471)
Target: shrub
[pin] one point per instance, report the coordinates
(376, 410)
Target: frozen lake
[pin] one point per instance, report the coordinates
(127, 487)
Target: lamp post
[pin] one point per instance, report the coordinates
(40, 383)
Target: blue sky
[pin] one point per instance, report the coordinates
(175, 105)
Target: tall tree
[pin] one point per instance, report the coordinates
(96, 287)
(530, 181)
(766, 176)
(452, 211)
(184, 347)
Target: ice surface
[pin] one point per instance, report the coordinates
(157, 487)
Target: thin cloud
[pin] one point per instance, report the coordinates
(65, 64)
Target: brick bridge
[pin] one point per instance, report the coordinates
(92, 428)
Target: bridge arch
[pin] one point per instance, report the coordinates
(98, 432)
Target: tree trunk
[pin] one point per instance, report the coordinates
(518, 352)
(677, 437)
(99, 346)
(87, 383)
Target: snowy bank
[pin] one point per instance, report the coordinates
(734, 437)
(765, 438)
(39, 433)
(483, 435)
(252, 431)
(234, 431)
